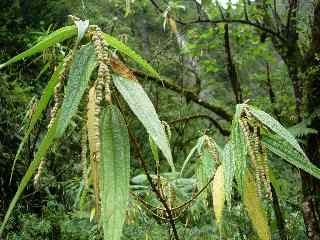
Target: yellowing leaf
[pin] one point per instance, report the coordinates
(218, 193)
(254, 208)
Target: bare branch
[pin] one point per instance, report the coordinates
(220, 111)
(223, 131)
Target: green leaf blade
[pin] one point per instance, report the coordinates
(115, 172)
(143, 108)
(53, 38)
(276, 127)
(79, 76)
(239, 154)
(290, 154)
(121, 47)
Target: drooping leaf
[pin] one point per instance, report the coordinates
(121, 47)
(143, 108)
(115, 172)
(41, 106)
(198, 147)
(228, 170)
(239, 154)
(276, 127)
(204, 171)
(254, 208)
(286, 151)
(53, 38)
(39, 155)
(80, 72)
(218, 193)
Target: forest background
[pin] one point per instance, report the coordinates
(212, 56)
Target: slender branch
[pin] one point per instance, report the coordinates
(240, 21)
(272, 95)
(223, 131)
(245, 10)
(149, 178)
(279, 217)
(233, 76)
(187, 93)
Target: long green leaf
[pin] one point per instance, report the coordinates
(198, 147)
(53, 38)
(41, 106)
(228, 164)
(121, 47)
(204, 171)
(239, 154)
(143, 108)
(115, 172)
(276, 127)
(287, 152)
(79, 76)
(40, 154)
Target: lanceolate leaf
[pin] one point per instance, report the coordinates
(53, 38)
(204, 171)
(115, 172)
(79, 76)
(40, 154)
(276, 127)
(143, 108)
(228, 170)
(41, 106)
(121, 47)
(285, 150)
(239, 154)
(198, 147)
(254, 208)
(218, 193)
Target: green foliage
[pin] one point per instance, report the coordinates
(276, 127)
(78, 79)
(143, 108)
(239, 154)
(285, 150)
(55, 37)
(115, 172)
(39, 155)
(121, 47)
(198, 67)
